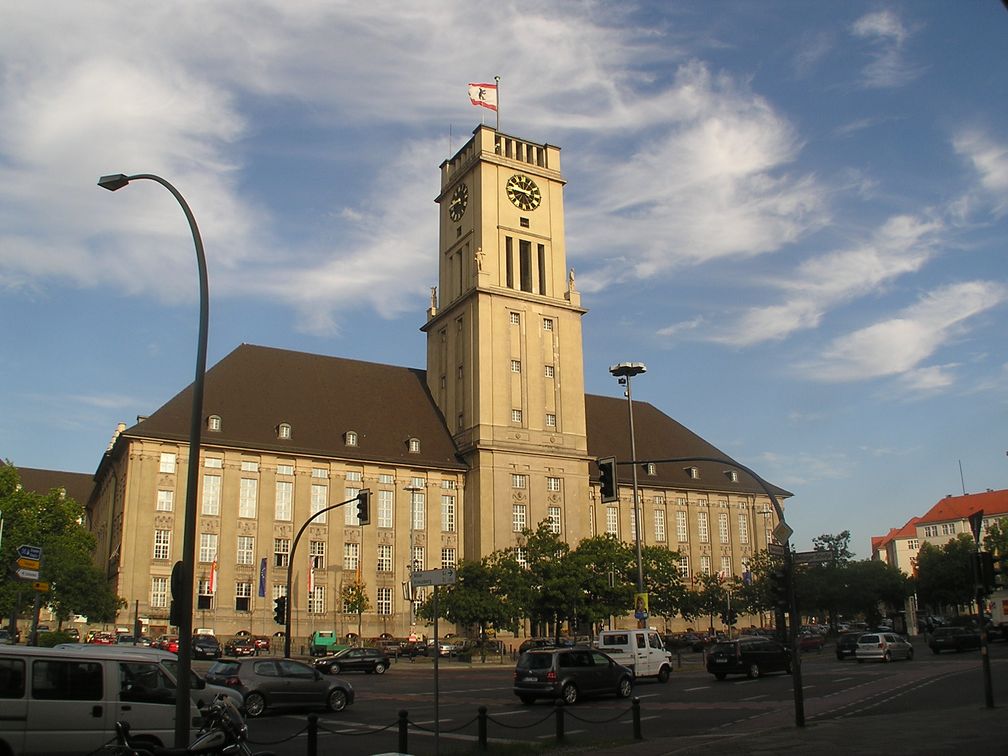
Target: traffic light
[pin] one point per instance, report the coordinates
(280, 610)
(364, 507)
(779, 584)
(984, 573)
(607, 479)
(999, 572)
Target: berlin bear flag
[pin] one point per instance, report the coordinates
(483, 95)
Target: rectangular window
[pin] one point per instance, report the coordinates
(386, 479)
(726, 570)
(553, 517)
(550, 420)
(385, 501)
(211, 494)
(384, 557)
(515, 366)
(281, 552)
(316, 600)
(659, 525)
(547, 324)
(419, 560)
(549, 372)
(542, 267)
(354, 476)
(248, 495)
(65, 680)
(207, 547)
(948, 528)
(636, 515)
(743, 527)
(159, 593)
(448, 557)
(215, 463)
(913, 544)
(248, 465)
(518, 518)
(519, 481)
(320, 473)
(684, 567)
(703, 529)
(553, 484)
(521, 556)
(320, 500)
(612, 521)
(284, 497)
(516, 416)
(525, 264)
(162, 544)
(167, 462)
(279, 589)
(204, 597)
(351, 556)
(165, 500)
(246, 549)
(447, 513)
(418, 506)
(285, 469)
(383, 602)
(509, 270)
(243, 597)
(350, 510)
(705, 565)
(515, 317)
(316, 555)
(723, 534)
(682, 530)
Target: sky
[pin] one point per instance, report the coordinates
(794, 213)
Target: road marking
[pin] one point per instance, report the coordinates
(843, 679)
(552, 735)
(647, 695)
(755, 698)
(690, 690)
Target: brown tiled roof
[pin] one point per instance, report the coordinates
(658, 436)
(993, 503)
(254, 389)
(77, 486)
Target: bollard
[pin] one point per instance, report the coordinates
(636, 719)
(482, 727)
(312, 735)
(559, 722)
(679, 658)
(403, 727)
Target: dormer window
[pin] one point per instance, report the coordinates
(413, 445)
(213, 423)
(350, 438)
(284, 431)
(732, 475)
(651, 468)
(693, 473)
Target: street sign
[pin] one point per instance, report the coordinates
(812, 557)
(23, 574)
(776, 549)
(40, 587)
(28, 564)
(782, 532)
(30, 552)
(444, 576)
(976, 522)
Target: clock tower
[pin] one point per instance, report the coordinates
(504, 348)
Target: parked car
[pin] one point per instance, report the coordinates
(812, 641)
(73, 634)
(103, 639)
(324, 642)
(882, 646)
(5, 638)
(569, 674)
(750, 656)
(280, 683)
(953, 639)
(846, 645)
(240, 645)
(370, 660)
(206, 647)
(262, 643)
(166, 643)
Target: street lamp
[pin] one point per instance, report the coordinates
(412, 566)
(184, 598)
(623, 372)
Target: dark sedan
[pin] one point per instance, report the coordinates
(569, 674)
(370, 660)
(240, 646)
(750, 656)
(953, 639)
(206, 647)
(280, 683)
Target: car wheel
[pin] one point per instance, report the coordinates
(337, 700)
(719, 675)
(663, 674)
(569, 693)
(255, 704)
(625, 688)
(334, 669)
(787, 667)
(909, 654)
(379, 669)
(527, 700)
(887, 657)
(753, 671)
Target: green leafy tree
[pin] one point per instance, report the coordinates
(354, 597)
(606, 566)
(996, 538)
(945, 574)
(663, 582)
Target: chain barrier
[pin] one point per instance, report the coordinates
(442, 729)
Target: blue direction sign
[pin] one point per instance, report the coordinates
(30, 552)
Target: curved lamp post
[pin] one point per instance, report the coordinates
(184, 596)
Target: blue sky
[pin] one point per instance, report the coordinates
(794, 213)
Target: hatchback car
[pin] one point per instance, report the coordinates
(280, 683)
(750, 656)
(206, 647)
(953, 639)
(883, 647)
(370, 660)
(569, 674)
(240, 645)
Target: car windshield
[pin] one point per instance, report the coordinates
(224, 668)
(723, 648)
(535, 661)
(868, 639)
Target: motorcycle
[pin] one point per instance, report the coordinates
(224, 733)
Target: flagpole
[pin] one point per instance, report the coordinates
(497, 82)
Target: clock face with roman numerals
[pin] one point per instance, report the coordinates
(523, 192)
(459, 200)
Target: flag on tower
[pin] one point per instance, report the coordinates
(483, 95)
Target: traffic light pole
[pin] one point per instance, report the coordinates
(796, 675)
(363, 499)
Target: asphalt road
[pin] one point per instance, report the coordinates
(691, 707)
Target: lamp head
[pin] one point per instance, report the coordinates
(628, 369)
(113, 182)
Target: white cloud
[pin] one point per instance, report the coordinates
(886, 34)
(899, 345)
(990, 160)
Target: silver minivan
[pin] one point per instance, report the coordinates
(56, 701)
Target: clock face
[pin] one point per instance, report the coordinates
(523, 192)
(459, 200)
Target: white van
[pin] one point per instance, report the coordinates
(56, 701)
